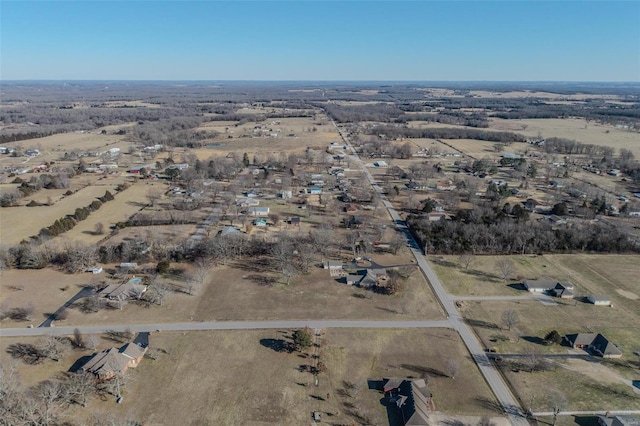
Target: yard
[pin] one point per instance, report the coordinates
(248, 381)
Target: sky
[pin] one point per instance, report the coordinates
(323, 40)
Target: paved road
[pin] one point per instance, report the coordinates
(491, 375)
(223, 325)
(525, 297)
(586, 413)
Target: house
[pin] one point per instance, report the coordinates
(179, 166)
(351, 208)
(229, 231)
(128, 265)
(555, 288)
(247, 202)
(260, 222)
(114, 361)
(335, 267)
(417, 186)
(445, 186)
(286, 195)
(411, 397)
(367, 278)
(315, 191)
(594, 342)
(380, 164)
(258, 211)
(295, 221)
(130, 289)
(436, 216)
(108, 166)
(599, 299)
(620, 420)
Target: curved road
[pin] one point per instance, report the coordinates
(491, 375)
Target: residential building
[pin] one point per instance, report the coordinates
(258, 211)
(599, 299)
(594, 342)
(114, 361)
(411, 397)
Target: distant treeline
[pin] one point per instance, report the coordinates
(393, 132)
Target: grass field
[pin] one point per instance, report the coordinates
(18, 223)
(250, 383)
(572, 128)
(125, 204)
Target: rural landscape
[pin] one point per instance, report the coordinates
(319, 253)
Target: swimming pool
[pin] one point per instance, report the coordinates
(135, 281)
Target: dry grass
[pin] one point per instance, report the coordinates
(42, 288)
(249, 383)
(572, 128)
(124, 205)
(18, 223)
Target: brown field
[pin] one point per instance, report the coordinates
(251, 384)
(72, 141)
(20, 223)
(572, 128)
(483, 149)
(125, 204)
(43, 288)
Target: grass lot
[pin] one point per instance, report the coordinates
(124, 205)
(18, 223)
(572, 128)
(41, 287)
(250, 383)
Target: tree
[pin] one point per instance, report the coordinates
(486, 421)
(531, 359)
(78, 340)
(98, 229)
(505, 267)
(79, 386)
(398, 241)
(466, 260)
(302, 339)
(158, 293)
(53, 347)
(557, 401)
(553, 337)
(163, 266)
(510, 318)
(153, 196)
(91, 342)
(560, 209)
(452, 367)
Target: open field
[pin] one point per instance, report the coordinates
(20, 223)
(572, 128)
(248, 382)
(43, 288)
(125, 204)
(483, 149)
(73, 141)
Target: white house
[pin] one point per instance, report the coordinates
(258, 211)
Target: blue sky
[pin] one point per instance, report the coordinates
(325, 40)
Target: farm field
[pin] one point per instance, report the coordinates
(482, 149)
(572, 128)
(170, 389)
(125, 204)
(62, 142)
(15, 228)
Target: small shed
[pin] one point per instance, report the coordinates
(599, 299)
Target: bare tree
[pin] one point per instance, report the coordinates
(531, 359)
(98, 228)
(52, 396)
(158, 293)
(505, 267)
(53, 347)
(510, 318)
(91, 342)
(282, 256)
(398, 241)
(153, 196)
(557, 401)
(452, 367)
(466, 260)
(79, 386)
(78, 339)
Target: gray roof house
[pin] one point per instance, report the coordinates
(555, 288)
(621, 420)
(412, 398)
(599, 299)
(595, 342)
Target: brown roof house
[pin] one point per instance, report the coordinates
(594, 342)
(411, 397)
(114, 361)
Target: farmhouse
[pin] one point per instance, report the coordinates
(595, 342)
(114, 361)
(258, 211)
(599, 299)
(411, 397)
(555, 288)
(367, 278)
